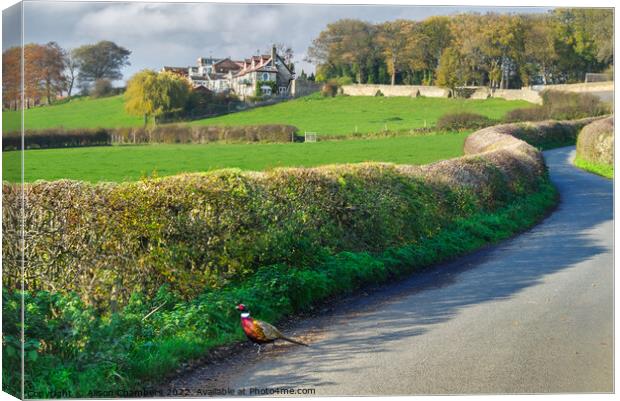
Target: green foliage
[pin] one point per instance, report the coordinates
(74, 349)
(258, 91)
(102, 60)
(463, 121)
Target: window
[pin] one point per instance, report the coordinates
(265, 76)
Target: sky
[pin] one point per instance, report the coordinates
(176, 34)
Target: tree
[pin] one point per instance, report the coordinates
(394, 38)
(71, 68)
(451, 71)
(52, 69)
(151, 94)
(11, 77)
(539, 51)
(102, 60)
(346, 44)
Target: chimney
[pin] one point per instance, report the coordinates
(273, 54)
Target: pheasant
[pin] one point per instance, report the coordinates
(260, 332)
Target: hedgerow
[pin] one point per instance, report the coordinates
(101, 258)
(165, 133)
(560, 105)
(595, 143)
(73, 350)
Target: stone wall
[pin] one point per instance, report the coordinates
(303, 87)
(580, 87)
(396, 90)
(526, 94)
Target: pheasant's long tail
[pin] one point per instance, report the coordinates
(290, 340)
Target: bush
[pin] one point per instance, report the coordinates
(462, 121)
(330, 88)
(379, 93)
(560, 105)
(102, 88)
(595, 143)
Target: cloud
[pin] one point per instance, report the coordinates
(178, 33)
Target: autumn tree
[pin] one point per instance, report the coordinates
(11, 77)
(394, 41)
(150, 94)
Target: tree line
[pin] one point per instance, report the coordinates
(495, 50)
(50, 71)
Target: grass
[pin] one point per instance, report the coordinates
(129, 163)
(602, 169)
(78, 113)
(339, 115)
(347, 114)
(126, 352)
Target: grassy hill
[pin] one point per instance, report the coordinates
(347, 114)
(78, 113)
(129, 163)
(339, 115)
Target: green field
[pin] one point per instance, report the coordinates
(128, 163)
(339, 115)
(346, 114)
(78, 113)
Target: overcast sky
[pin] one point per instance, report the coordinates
(176, 34)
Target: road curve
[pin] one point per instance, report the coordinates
(531, 315)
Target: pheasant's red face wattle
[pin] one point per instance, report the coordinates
(241, 307)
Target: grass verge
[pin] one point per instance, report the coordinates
(602, 169)
(81, 353)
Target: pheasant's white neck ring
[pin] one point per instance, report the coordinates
(245, 314)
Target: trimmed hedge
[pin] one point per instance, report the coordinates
(127, 352)
(166, 133)
(181, 133)
(206, 230)
(595, 143)
(56, 138)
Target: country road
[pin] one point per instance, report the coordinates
(533, 314)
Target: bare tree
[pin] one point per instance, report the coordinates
(71, 68)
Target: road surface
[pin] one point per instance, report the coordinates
(531, 315)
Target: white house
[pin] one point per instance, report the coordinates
(240, 77)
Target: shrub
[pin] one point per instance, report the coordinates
(560, 105)
(537, 113)
(330, 88)
(346, 80)
(595, 143)
(462, 121)
(379, 93)
(102, 88)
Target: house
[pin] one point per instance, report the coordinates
(240, 77)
